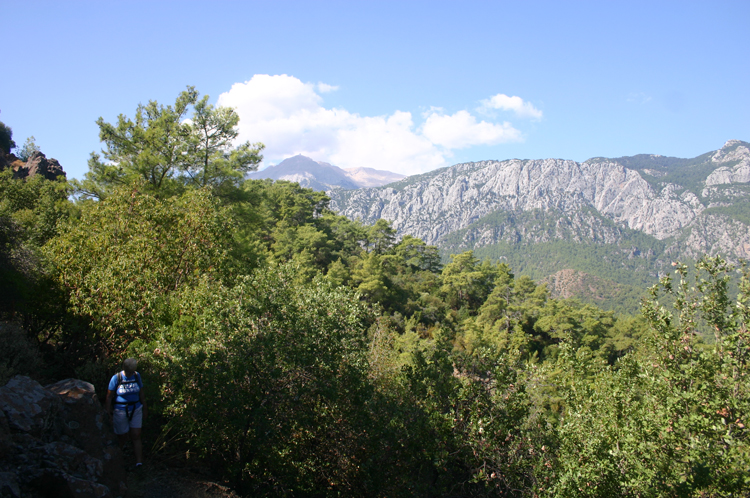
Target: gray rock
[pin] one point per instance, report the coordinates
(56, 441)
(38, 164)
(9, 485)
(434, 205)
(27, 406)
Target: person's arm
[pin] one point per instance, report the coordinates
(143, 402)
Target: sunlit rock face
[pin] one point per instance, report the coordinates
(665, 198)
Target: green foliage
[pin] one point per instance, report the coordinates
(467, 282)
(31, 211)
(301, 353)
(168, 152)
(269, 378)
(129, 253)
(18, 354)
(670, 419)
(29, 147)
(381, 236)
(6, 138)
(35, 205)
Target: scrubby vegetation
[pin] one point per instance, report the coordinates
(300, 353)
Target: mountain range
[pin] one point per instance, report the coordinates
(621, 221)
(601, 230)
(318, 175)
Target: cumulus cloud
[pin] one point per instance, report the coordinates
(462, 130)
(289, 117)
(515, 104)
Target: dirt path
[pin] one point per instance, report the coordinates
(174, 483)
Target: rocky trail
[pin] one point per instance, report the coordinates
(57, 441)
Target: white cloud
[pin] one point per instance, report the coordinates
(462, 130)
(288, 116)
(516, 104)
(326, 88)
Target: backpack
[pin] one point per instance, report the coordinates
(128, 404)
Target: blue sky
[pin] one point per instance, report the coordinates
(406, 86)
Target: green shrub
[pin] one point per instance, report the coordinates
(18, 354)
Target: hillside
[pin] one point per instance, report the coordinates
(623, 219)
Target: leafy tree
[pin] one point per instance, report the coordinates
(217, 163)
(381, 236)
(269, 378)
(6, 138)
(669, 419)
(167, 151)
(36, 205)
(467, 282)
(416, 255)
(29, 147)
(337, 274)
(31, 211)
(372, 281)
(131, 252)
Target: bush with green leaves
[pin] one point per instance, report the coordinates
(669, 419)
(268, 379)
(128, 255)
(28, 148)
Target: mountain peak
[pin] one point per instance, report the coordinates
(733, 143)
(320, 175)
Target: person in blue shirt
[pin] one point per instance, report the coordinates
(127, 406)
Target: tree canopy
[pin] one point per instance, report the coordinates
(6, 138)
(169, 148)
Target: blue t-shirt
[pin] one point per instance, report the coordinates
(128, 391)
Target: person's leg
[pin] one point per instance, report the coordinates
(136, 423)
(135, 436)
(121, 426)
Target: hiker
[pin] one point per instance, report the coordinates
(127, 406)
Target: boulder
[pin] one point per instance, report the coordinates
(88, 427)
(27, 406)
(57, 441)
(38, 164)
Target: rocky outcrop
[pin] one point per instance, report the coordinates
(456, 197)
(57, 441)
(37, 164)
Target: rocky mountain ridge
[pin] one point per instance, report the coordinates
(319, 175)
(680, 208)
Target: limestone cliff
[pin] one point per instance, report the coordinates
(689, 206)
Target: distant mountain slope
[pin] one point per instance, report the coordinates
(618, 218)
(588, 288)
(323, 176)
(369, 177)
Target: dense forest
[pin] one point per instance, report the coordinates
(300, 353)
